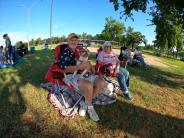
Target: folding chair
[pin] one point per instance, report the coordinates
(107, 75)
(55, 75)
(58, 77)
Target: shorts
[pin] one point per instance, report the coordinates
(73, 81)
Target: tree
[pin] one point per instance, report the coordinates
(63, 38)
(134, 38)
(32, 42)
(172, 7)
(86, 36)
(168, 16)
(55, 40)
(169, 33)
(113, 30)
(38, 41)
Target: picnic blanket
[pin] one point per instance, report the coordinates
(71, 97)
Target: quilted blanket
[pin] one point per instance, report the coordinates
(66, 101)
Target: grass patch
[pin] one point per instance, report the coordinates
(157, 109)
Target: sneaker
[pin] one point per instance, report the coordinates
(128, 96)
(93, 115)
(83, 108)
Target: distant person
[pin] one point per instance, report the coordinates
(46, 46)
(8, 49)
(1, 55)
(98, 51)
(22, 49)
(122, 56)
(139, 57)
(127, 53)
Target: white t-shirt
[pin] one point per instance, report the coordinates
(138, 53)
(128, 53)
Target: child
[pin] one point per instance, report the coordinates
(1, 55)
(107, 57)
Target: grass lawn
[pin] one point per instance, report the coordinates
(156, 111)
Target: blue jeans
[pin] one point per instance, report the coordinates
(124, 79)
(8, 55)
(141, 59)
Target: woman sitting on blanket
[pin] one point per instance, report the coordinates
(105, 57)
(90, 86)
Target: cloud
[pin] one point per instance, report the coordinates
(19, 36)
(56, 26)
(14, 37)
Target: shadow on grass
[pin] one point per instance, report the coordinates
(16, 118)
(12, 105)
(156, 76)
(139, 121)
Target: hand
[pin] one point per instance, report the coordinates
(85, 65)
(116, 71)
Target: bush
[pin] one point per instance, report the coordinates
(148, 47)
(182, 58)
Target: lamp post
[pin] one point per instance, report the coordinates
(28, 28)
(28, 8)
(51, 9)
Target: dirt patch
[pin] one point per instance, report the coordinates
(150, 60)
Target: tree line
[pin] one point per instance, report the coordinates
(113, 31)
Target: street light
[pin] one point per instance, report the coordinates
(51, 9)
(28, 8)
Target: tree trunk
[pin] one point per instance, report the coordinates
(177, 54)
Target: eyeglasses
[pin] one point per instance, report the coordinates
(73, 40)
(108, 46)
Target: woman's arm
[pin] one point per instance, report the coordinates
(116, 70)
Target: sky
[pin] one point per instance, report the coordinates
(69, 16)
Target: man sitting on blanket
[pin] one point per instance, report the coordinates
(90, 86)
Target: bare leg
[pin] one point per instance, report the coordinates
(87, 89)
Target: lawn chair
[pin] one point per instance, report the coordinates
(107, 75)
(55, 75)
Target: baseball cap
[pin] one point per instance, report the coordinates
(72, 35)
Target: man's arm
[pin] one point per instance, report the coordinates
(82, 66)
(71, 69)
